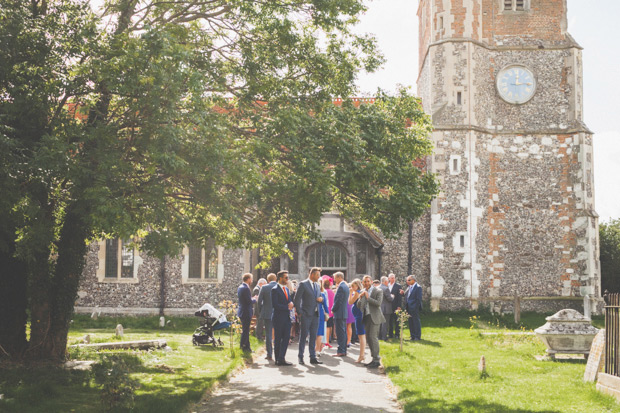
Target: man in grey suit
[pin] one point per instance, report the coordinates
(386, 307)
(307, 298)
(265, 310)
(370, 305)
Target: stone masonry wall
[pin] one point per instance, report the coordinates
(144, 295)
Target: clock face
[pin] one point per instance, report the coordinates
(516, 84)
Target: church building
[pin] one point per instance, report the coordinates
(502, 80)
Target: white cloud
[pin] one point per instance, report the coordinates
(607, 174)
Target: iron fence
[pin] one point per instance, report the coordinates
(612, 333)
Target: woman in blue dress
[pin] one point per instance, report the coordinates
(323, 309)
(356, 289)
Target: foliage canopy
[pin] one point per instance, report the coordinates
(184, 122)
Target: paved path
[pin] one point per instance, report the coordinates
(338, 385)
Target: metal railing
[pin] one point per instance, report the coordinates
(612, 333)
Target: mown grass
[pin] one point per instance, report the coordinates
(440, 373)
(169, 380)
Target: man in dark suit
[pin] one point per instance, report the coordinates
(413, 302)
(265, 311)
(307, 298)
(394, 325)
(245, 310)
(282, 303)
(386, 307)
(340, 311)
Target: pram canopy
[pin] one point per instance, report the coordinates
(212, 312)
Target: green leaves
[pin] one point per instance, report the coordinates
(206, 120)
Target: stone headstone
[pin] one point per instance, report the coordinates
(119, 330)
(587, 307)
(86, 339)
(482, 366)
(94, 315)
(162, 321)
(596, 359)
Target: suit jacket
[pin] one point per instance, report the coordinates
(265, 310)
(341, 299)
(372, 306)
(305, 298)
(279, 302)
(245, 310)
(397, 297)
(386, 304)
(414, 300)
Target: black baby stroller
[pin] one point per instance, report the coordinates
(211, 320)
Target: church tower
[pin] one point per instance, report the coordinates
(502, 80)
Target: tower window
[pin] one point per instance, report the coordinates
(462, 241)
(512, 5)
(458, 98)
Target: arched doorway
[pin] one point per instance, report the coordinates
(330, 257)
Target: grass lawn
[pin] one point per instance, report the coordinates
(168, 381)
(440, 373)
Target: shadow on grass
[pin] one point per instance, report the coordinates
(428, 405)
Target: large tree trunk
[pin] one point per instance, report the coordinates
(49, 336)
(13, 301)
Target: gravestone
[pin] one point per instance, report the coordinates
(596, 360)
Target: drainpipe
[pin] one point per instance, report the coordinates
(410, 249)
(379, 255)
(162, 285)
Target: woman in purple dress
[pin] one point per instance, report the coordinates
(356, 289)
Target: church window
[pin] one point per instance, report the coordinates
(327, 256)
(202, 263)
(462, 239)
(119, 259)
(512, 5)
(455, 164)
(458, 98)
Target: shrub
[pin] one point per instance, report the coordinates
(112, 373)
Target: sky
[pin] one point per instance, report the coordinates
(592, 23)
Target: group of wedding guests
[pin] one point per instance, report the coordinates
(365, 308)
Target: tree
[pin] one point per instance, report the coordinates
(182, 122)
(609, 236)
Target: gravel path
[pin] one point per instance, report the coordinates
(338, 385)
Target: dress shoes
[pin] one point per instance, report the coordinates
(341, 354)
(268, 358)
(283, 363)
(301, 361)
(372, 364)
(315, 361)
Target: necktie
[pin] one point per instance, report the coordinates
(315, 289)
(285, 293)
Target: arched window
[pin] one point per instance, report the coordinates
(327, 256)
